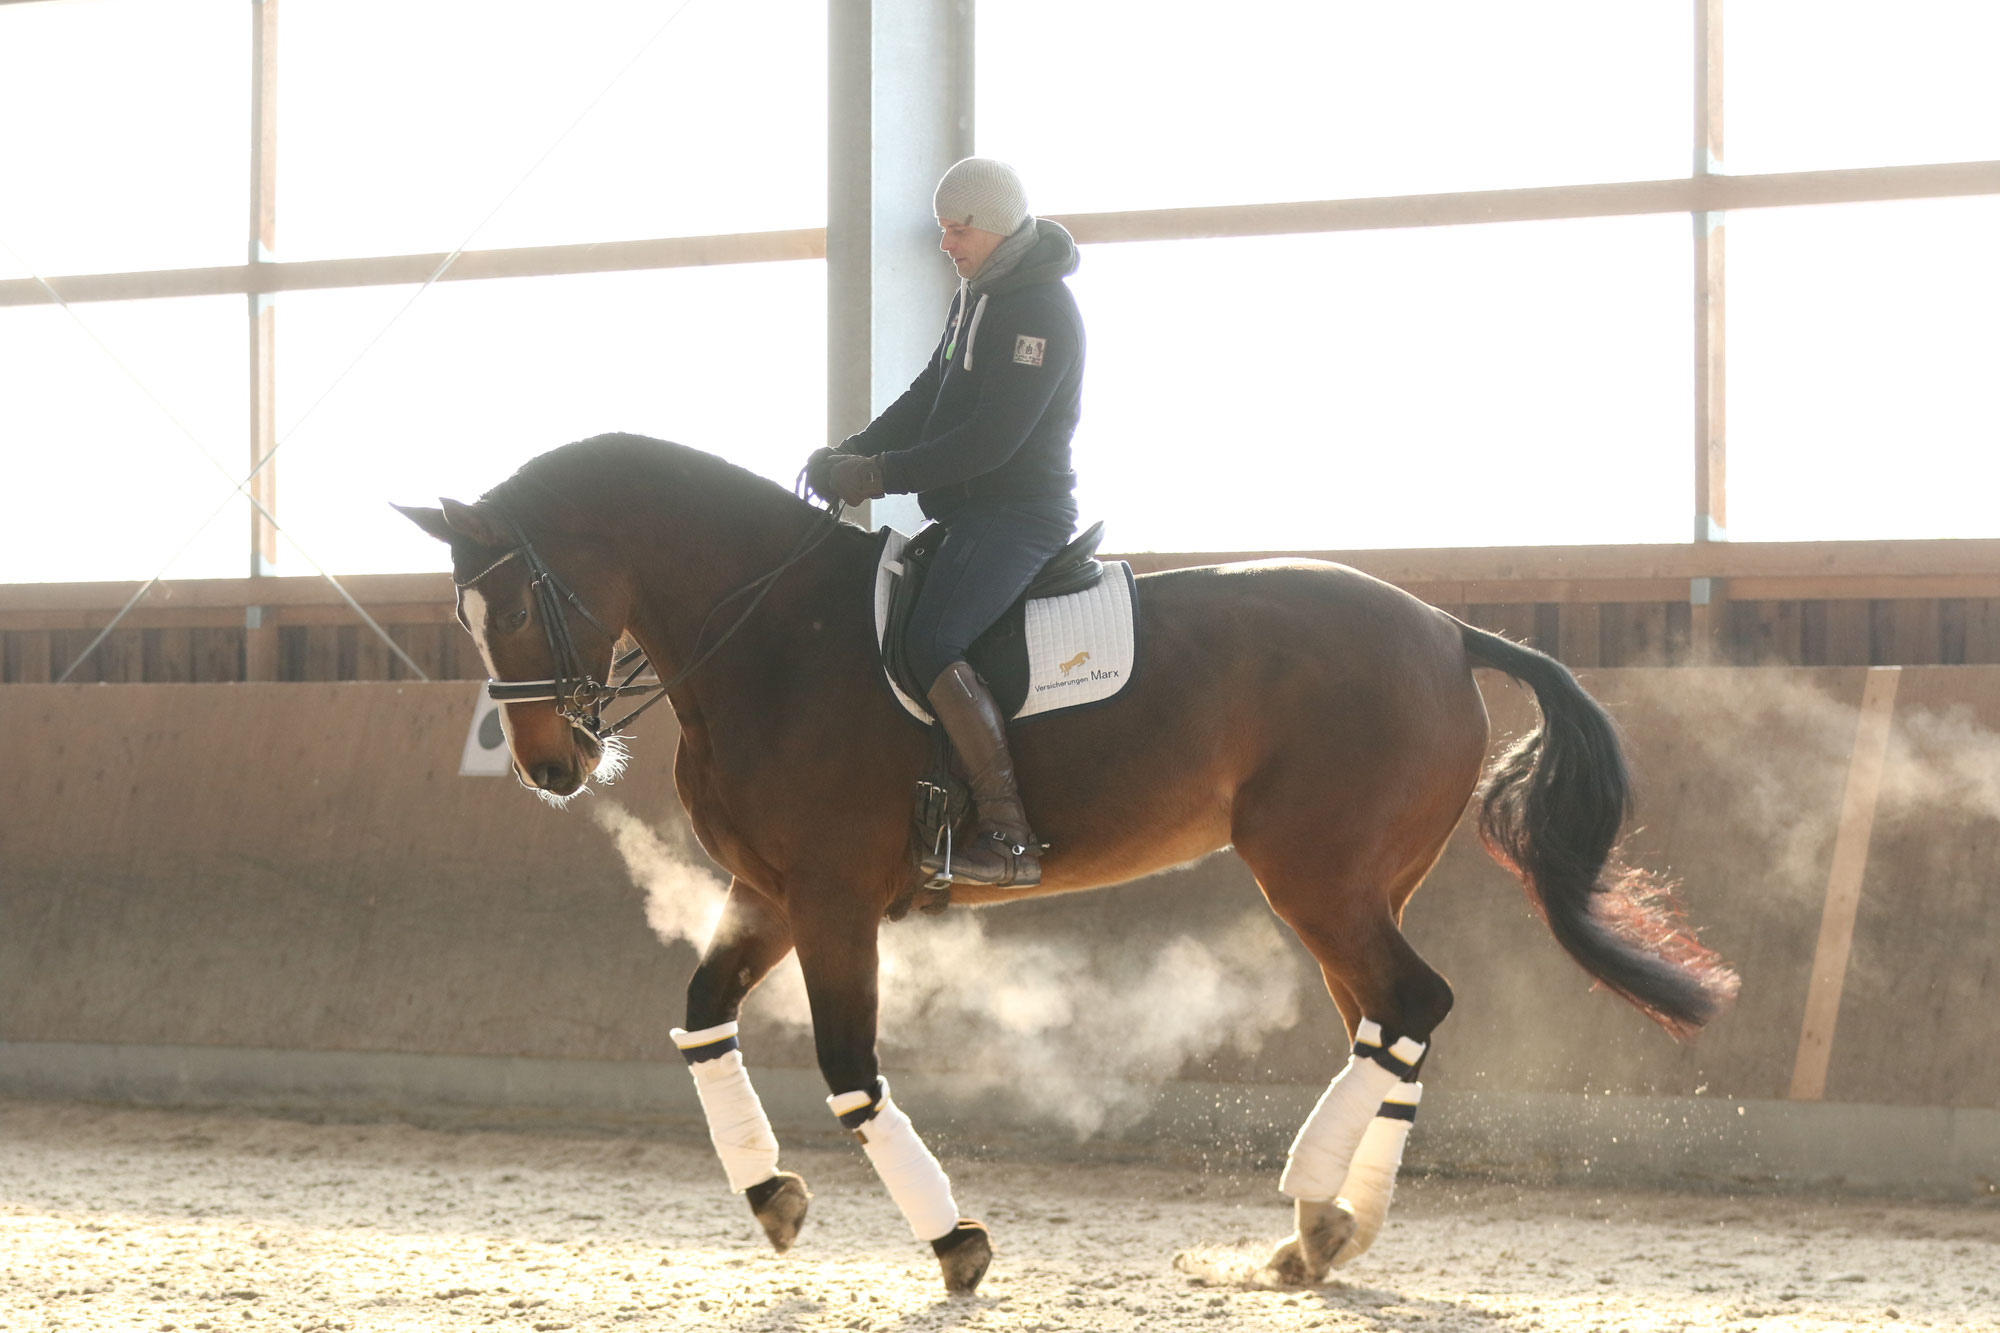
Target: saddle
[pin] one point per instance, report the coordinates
(997, 654)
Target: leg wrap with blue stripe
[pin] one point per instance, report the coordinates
(913, 1176)
(737, 1125)
(1371, 1176)
(1318, 1164)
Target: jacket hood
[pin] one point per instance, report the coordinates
(1053, 258)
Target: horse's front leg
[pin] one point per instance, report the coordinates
(751, 938)
(837, 953)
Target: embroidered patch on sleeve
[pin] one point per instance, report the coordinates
(1028, 351)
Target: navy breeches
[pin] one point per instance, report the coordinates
(991, 551)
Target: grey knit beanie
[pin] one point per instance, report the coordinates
(982, 192)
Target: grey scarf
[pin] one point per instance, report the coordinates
(1006, 256)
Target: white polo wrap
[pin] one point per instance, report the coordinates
(1317, 1166)
(914, 1178)
(1371, 1177)
(737, 1125)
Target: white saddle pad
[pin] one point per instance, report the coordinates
(1081, 647)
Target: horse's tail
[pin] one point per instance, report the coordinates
(1551, 810)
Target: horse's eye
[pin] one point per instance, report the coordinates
(516, 620)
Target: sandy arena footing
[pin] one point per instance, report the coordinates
(181, 1220)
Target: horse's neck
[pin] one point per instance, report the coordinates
(683, 573)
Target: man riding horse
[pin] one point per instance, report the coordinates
(982, 438)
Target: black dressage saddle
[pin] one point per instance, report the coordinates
(1000, 655)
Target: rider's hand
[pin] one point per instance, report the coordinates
(818, 463)
(854, 478)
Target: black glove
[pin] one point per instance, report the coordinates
(855, 478)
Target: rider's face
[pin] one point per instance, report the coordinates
(969, 247)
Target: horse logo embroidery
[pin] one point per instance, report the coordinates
(1075, 662)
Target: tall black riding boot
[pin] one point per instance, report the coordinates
(1004, 852)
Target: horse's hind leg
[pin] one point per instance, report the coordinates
(749, 940)
(1341, 1169)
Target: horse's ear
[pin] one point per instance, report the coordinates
(472, 523)
(430, 520)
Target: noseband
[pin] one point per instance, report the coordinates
(579, 696)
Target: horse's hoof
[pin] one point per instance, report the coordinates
(779, 1205)
(1366, 1225)
(1288, 1263)
(963, 1254)
(1308, 1253)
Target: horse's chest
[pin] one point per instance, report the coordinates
(722, 834)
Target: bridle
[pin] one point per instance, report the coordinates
(578, 695)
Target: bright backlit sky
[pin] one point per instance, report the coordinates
(1523, 383)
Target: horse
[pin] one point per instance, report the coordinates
(1324, 724)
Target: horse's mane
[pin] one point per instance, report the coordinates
(561, 489)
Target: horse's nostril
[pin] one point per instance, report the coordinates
(547, 776)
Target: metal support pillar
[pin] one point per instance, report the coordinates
(899, 90)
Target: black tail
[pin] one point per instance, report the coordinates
(1551, 810)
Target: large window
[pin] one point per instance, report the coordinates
(401, 128)
(1185, 103)
(1452, 386)
(103, 481)
(127, 133)
(718, 126)
(1863, 348)
(1852, 83)
(1525, 383)
(1395, 384)
(479, 377)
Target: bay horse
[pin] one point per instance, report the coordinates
(1326, 725)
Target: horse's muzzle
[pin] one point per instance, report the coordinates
(565, 777)
(555, 779)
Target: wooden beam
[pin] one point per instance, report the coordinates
(1972, 559)
(1843, 885)
(1711, 448)
(409, 270)
(1836, 572)
(263, 245)
(1707, 87)
(1762, 571)
(1707, 194)
(1891, 587)
(1708, 611)
(430, 589)
(1618, 199)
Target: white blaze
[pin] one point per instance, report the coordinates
(473, 603)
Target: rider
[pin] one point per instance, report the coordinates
(982, 437)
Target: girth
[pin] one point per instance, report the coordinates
(1072, 569)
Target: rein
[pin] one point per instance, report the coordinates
(579, 696)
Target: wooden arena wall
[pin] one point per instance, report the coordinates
(301, 868)
(1910, 603)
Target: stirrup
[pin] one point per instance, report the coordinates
(936, 863)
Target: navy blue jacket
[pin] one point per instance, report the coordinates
(991, 415)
